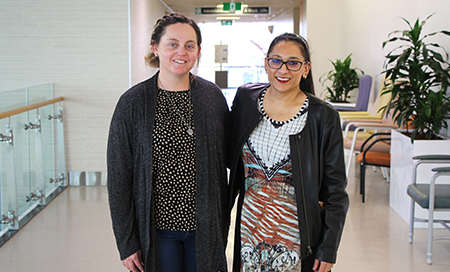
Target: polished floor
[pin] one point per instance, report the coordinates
(73, 234)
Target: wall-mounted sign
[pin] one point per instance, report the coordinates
(221, 54)
(247, 10)
(256, 10)
(226, 22)
(210, 10)
(232, 6)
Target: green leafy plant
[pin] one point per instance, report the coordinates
(343, 79)
(420, 77)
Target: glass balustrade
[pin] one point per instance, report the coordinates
(32, 163)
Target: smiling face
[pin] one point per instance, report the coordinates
(178, 50)
(284, 80)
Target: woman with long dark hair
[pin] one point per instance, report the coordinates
(287, 167)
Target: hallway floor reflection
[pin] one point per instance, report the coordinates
(73, 233)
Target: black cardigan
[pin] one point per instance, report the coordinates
(130, 173)
(318, 172)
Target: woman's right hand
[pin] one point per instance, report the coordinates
(134, 262)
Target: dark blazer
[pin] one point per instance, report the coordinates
(317, 156)
(130, 173)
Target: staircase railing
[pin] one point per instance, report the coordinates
(32, 155)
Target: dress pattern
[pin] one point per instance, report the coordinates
(270, 237)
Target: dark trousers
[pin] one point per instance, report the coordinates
(308, 263)
(176, 251)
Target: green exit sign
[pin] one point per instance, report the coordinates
(232, 6)
(226, 22)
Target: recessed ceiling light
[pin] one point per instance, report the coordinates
(228, 18)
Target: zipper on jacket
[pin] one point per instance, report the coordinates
(308, 246)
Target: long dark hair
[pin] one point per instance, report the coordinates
(306, 84)
(160, 29)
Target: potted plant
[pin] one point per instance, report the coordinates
(421, 79)
(343, 79)
(419, 76)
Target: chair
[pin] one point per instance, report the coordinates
(355, 142)
(365, 85)
(374, 115)
(364, 124)
(434, 197)
(375, 112)
(368, 157)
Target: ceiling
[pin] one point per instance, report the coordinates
(276, 9)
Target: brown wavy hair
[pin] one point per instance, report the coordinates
(160, 29)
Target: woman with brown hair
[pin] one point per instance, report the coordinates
(167, 178)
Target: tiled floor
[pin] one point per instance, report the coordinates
(73, 233)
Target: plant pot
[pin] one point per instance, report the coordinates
(402, 165)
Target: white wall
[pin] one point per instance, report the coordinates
(323, 35)
(82, 47)
(340, 27)
(144, 14)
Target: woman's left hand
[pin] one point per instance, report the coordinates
(322, 266)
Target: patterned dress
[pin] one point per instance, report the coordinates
(270, 237)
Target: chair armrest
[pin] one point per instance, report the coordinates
(348, 105)
(348, 123)
(375, 141)
(367, 116)
(365, 120)
(437, 158)
(441, 169)
(432, 157)
(360, 126)
(377, 125)
(355, 112)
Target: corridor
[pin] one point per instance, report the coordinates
(73, 234)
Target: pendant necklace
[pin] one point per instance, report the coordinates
(190, 131)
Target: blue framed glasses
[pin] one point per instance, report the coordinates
(291, 65)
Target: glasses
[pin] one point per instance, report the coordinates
(291, 65)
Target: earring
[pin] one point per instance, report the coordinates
(305, 76)
(156, 55)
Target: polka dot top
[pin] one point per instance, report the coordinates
(174, 162)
